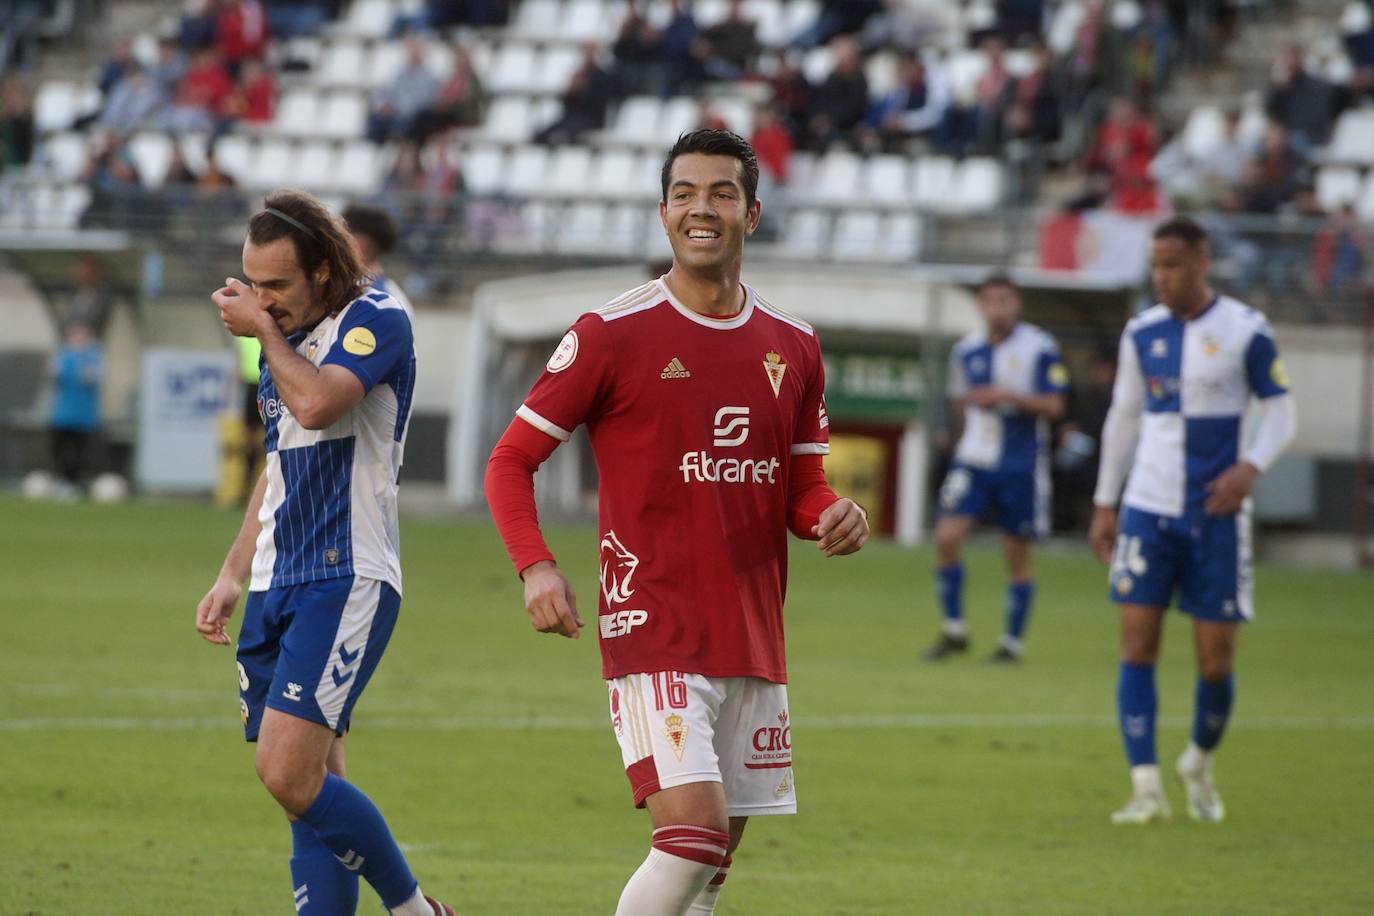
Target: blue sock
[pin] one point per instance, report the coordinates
(950, 584)
(1212, 710)
(1135, 703)
(321, 882)
(349, 824)
(1019, 595)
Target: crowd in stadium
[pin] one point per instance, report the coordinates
(1079, 100)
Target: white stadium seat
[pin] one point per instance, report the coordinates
(646, 181)
(234, 153)
(508, 118)
(637, 120)
(978, 185)
(384, 61)
(343, 116)
(569, 171)
(1205, 130)
(805, 235)
(886, 181)
(555, 70)
(800, 15)
(537, 19)
(770, 21)
(736, 111)
(580, 228)
(359, 168)
(858, 235)
(367, 19)
(528, 172)
(316, 166)
(1337, 186)
(152, 155)
(297, 112)
(1352, 140)
(272, 165)
(512, 69)
(1364, 205)
(610, 173)
(66, 154)
(680, 115)
(623, 232)
(590, 20)
(483, 170)
(836, 179)
(343, 64)
(193, 151)
(933, 181)
(901, 237)
(55, 106)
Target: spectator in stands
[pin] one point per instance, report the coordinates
(241, 32)
(196, 30)
(459, 102)
(116, 190)
(729, 49)
(92, 299)
(990, 96)
(255, 100)
(837, 106)
(678, 49)
(838, 17)
(914, 108)
(179, 173)
(170, 67)
(1338, 253)
(1122, 148)
(397, 104)
(590, 93)
(216, 192)
(1018, 19)
(1258, 192)
(1033, 108)
(791, 94)
(375, 232)
(1088, 63)
(1222, 165)
(638, 61)
(773, 145)
(135, 100)
(77, 370)
(1305, 104)
(909, 25)
(16, 122)
(287, 19)
(202, 98)
(113, 69)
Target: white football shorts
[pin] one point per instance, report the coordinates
(676, 728)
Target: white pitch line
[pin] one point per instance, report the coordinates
(575, 723)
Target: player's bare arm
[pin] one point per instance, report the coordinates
(1226, 494)
(549, 600)
(1050, 406)
(1102, 533)
(842, 529)
(317, 396)
(215, 609)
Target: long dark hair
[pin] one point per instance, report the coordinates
(319, 238)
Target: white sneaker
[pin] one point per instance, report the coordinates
(1143, 808)
(1204, 804)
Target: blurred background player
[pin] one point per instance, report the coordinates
(375, 233)
(78, 367)
(338, 372)
(1188, 368)
(706, 412)
(1006, 382)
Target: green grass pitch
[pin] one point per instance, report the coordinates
(127, 788)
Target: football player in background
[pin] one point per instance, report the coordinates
(1188, 370)
(319, 543)
(705, 407)
(1007, 382)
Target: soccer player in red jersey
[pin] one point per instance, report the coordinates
(706, 411)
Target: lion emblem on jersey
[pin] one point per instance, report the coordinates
(618, 567)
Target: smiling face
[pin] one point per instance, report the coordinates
(706, 213)
(293, 300)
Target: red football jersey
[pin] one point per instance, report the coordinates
(693, 421)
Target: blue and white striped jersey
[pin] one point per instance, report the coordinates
(1027, 362)
(1191, 382)
(330, 506)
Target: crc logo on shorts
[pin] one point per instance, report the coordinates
(675, 730)
(772, 746)
(730, 429)
(620, 623)
(618, 567)
(243, 710)
(616, 722)
(243, 677)
(293, 692)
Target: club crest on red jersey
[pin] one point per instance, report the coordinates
(775, 367)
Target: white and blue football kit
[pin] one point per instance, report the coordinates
(1187, 385)
(326, 582)
(1002, 458)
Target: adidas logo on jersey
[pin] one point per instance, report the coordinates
(675, 369)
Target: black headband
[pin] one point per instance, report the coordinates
(294, 222)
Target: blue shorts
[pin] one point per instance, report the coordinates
(1021, 500)
(1207, 560)
(309, 650)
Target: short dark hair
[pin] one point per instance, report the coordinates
(1185, 230)
(993, 280)
(319, 238)
(716, 143)
(373, 222)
